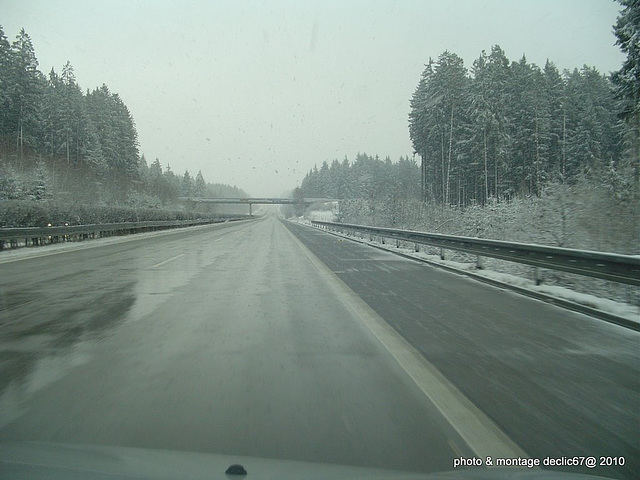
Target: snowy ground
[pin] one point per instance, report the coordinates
(620, 309)
(321, 216)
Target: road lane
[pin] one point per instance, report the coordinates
(220, 340)
(558, 383)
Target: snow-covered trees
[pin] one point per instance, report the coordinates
(511, 151)
(200, 186)
(627, 85)
(88, 142)
(79, 146)
(509, 128)
(627, 79)
(367, 177)
(22, 87)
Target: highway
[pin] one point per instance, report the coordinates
(558, 383)
(275, 340)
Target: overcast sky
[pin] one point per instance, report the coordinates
(254, 93)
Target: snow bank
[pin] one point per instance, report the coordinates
(321, 216)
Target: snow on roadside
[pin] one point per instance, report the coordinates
(301, 220)
(321, 216)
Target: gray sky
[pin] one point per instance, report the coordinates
(254, 93)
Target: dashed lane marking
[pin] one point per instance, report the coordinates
(168, 260)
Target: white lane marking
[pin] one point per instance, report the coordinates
(168, 260)
(483, 436)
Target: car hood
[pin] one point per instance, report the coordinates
(36, 460)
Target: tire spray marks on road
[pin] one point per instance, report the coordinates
(480, 433)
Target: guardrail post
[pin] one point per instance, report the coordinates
(417, 247)
(382, 240)
(537, 275)
(397, 243)
(441, 253)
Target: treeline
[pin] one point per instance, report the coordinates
(164, 186)
(512, 128)
(58, 142)
(367, 177)
(507, 129)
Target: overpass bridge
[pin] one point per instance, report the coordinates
(257, 201)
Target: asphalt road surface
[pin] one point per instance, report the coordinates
(237, 339)
(558, 383)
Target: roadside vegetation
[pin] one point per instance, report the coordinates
(66, 153)
(511, 151)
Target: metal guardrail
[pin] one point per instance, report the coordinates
(43, 235)
(608, 266)
(257, 200)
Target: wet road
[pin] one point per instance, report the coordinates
(237, 339)
(558, 383)
(221, 339)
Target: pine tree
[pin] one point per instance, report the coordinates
(419, 129)
(529, 128)
(50, 134)
(436, 125)
(592, 135)
(118, 140)
(171, 185)
(345, 187)
(92, 152)
(6, 70)
(325, 186)
(555, 104)
(489, 136)
(200, 185)
(156, 179)
(25, 88)
(627, 84)
(627, 79)
(72, 121)
(186, 185)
